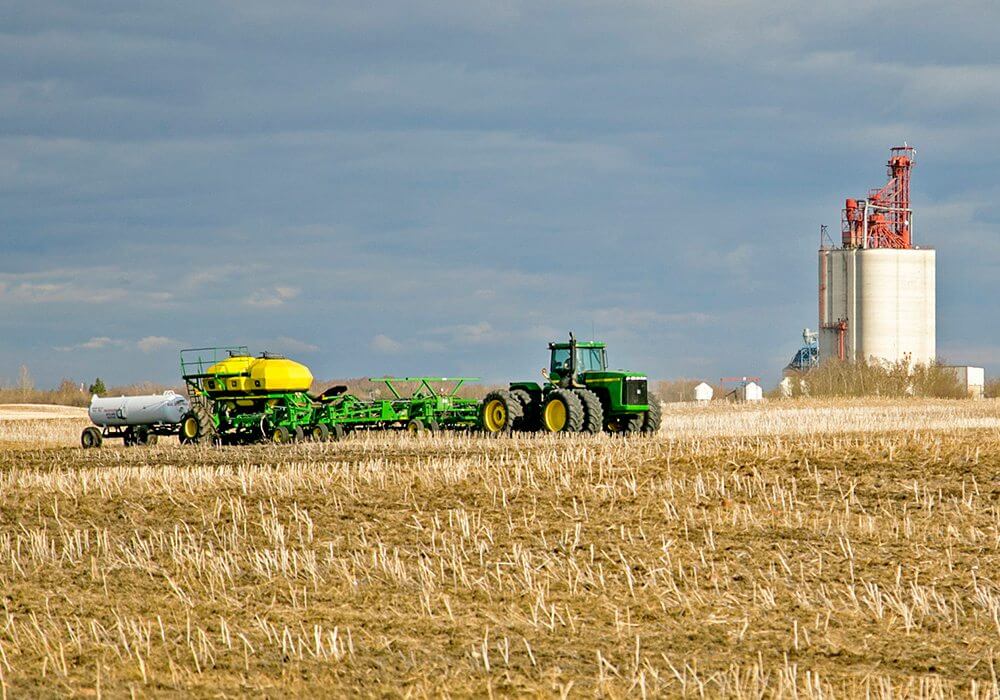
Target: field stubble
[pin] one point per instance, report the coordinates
(805, 561)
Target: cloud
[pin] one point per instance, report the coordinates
(95, 343)
(286, 344)
(384, 344)
(147, 344)
(151, 343)
(273, 297)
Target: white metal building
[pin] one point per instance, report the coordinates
(703, 392)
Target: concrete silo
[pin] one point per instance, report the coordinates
(877, 290)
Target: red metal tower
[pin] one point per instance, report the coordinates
(884, 219)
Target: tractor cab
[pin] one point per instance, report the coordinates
(569, 360)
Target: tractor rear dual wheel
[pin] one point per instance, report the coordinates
(501, 412)
(530, 410)
(563, 412)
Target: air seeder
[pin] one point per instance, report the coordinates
(239, 398)
(580, 394)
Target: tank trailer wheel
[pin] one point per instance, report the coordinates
(501, 412)
(150, 439)
(129, 437)
(562, 412)
(320, 433)
(593, 412)
(281, 435)
(90, 438)
(654, 416)
(415, 427)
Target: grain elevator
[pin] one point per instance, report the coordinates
(877, 289)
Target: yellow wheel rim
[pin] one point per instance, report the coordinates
(413, 428)
(555, 415)
(495, 416)
(278, 437)
(190, 427)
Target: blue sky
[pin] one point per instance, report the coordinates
(441, 188)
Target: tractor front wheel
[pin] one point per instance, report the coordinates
(500, 412)
(562, 412)
(593, 412)
(654, 416)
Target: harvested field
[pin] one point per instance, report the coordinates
(797, 549)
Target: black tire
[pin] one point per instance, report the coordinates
(530, 409)
(298, 434)
(281, 435)
(197, 426)
(148, 437)
(337, 432)
(433, 427)
(501, 412)
(320, 433)
(654, 416)
(415, 427)
(593, 412)
(568, 418)
(91, 438)
(632, 424)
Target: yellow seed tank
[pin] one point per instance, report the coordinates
(245, 375)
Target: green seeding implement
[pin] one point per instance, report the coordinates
(238, 398)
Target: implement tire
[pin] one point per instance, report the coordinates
(197, 426)
(320, 433)
(501, 412)
(654, 416)
(562, 412)
(593, 412)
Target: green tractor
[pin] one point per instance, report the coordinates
(580, 394)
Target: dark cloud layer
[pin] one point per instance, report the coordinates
(398, 187)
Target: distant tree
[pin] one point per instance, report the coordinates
(25, 384)
(97, 387)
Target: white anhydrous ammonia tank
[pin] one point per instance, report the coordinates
(155, 409)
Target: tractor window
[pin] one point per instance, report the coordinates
(590, 359)
(560, 360)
